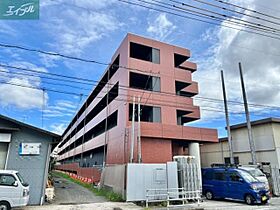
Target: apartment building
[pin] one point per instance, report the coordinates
(159, 76)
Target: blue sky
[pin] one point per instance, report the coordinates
(93, 29)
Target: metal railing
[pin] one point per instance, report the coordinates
(172, 194)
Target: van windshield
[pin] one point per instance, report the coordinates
(24, 183)
(247, 176)
(256, 172)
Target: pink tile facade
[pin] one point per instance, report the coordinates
(161, 140)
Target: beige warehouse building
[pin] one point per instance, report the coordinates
(266, 136)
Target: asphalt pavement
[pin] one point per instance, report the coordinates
(67, 192)
(71, 196)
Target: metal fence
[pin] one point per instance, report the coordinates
(275, 180)
(189, 175)
(189, 184)
(170, 195)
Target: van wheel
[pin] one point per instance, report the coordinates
(209, 195)
(249, 199)
(4, 205)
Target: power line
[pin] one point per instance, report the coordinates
(200, 20)
(237, 12)
(121, 86)
(36, 88)
(212, 17)
(63, 56)
(44, 82)
(259, 51)
(247, 9)
(226, 17)
(159, 102)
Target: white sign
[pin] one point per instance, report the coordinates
(5, 137)
(29, 148)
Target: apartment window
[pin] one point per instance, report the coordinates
(144, 82)
(145, 53)
(97, 130)
(182, 118)
(111, 71)
(179, 59)
(147, 114)
(180, 89)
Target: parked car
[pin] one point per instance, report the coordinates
(14, 191)
(257, 173)
(233, 183)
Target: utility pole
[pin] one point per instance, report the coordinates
(227, 120)
(139, 132)
(132, 131)
(43, 107)
(250, 135)
(106, 120)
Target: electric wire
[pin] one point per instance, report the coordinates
(78, 79)
(225, 17)
(247, 9)
(203, 15)
(237, 12)
(200, 20)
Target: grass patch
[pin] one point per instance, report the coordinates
(109, 195)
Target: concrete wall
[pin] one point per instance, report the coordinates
(213, 153)
(262, 135)
(267, 143)
(32, 168)
(93, 173)
(3, 154)
(113, 177)
(276, 136)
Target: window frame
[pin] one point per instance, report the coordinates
(11, 175)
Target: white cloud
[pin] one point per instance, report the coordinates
(61, 108)
(21, 97)
(160, 28)
(6, 29)
(261, 68)
(49, 60)
(77, 28)
(15, 94)
(58, 128)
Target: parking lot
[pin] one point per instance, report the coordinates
(70, 196)
(274, 204)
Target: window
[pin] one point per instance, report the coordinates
(179, 59)
(180, 86)
(144, 82)
(148, 113)
(208, 175)
(234, 176)
(182, 117)
(7, 180)
(236, 160)
(145, 53)
(219, 176)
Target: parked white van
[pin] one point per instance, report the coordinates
(14, 191)
(257, 173)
